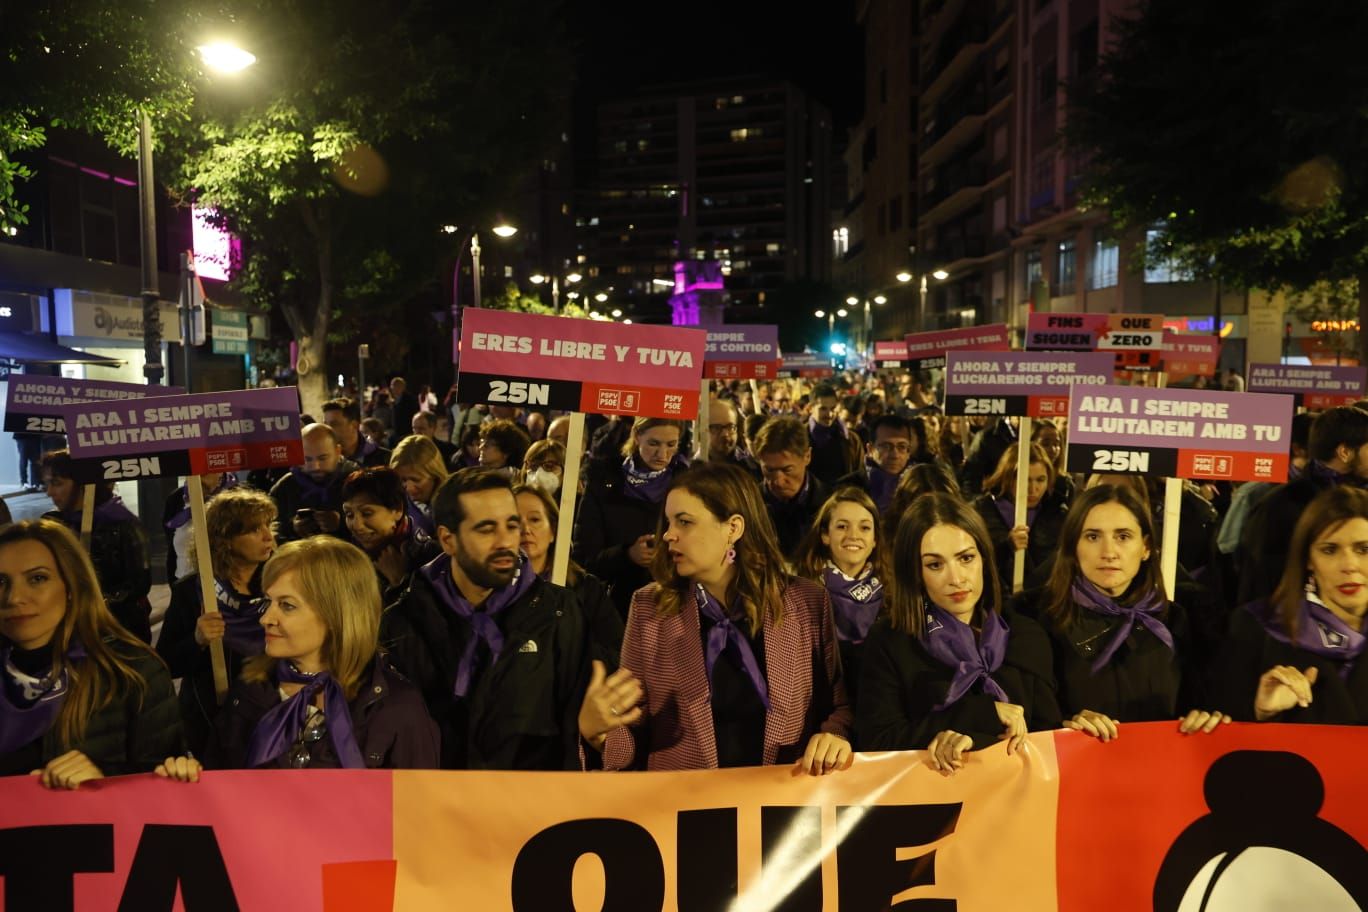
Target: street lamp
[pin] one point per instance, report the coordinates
(504, 230)
(501, 230)
(225, 57)
(904, 277)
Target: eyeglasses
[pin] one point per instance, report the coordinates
(300, 755)
(887, 447)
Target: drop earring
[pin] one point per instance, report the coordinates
(730, 557)
(1311, 587)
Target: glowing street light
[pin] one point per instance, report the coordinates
(616, 313)
(225, 57)
(537, 279)
(820, 314)
(841, 313)
(573, 277)
(600, 297)
(904, 277)
(880, 299)
(940, 275)
(852, 300)
(504, 230)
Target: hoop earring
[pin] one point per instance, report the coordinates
(730, 557)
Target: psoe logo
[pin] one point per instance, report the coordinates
(622, 401)
(280, 455)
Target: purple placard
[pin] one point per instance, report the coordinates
(185, 435)
(752, 342)
(1179, 432)
(1315, 386)
(971, 373)
(33, 404)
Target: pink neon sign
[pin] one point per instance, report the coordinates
(215, 249)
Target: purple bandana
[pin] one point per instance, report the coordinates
(974, 658)
(111, 511)
(419, 517)
(364, 447)
(1319, 632)
(647, 485)
(484, 626)
(277, 730)
(882, 485)
(29, 706)
(822, 433)
(1146, 612)
(855, 603)
(1007, 510)
(242, 619)
(313, 493)
(724, 635)
(183, 517)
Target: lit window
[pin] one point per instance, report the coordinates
(1106, 263)
(1067, 264)
(738, 99)
(508, 272)
(1165, 270)
(774, 249)
(840, 242)
(565, 208)
(643, 145)
(740, 134)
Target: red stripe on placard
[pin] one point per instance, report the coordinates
(1046, 406)
(261, 454)
(740, 370)
(639, 401)
(1220, 464)
(1317, 402)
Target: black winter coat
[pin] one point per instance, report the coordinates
(289, 497)
(132, 734)
(792, 519)
(1041, 544)
(521, 713)
(1268, 531)
(609, 521)
(119, 552)
(1250, 651)
(391, 725)
(901, 681)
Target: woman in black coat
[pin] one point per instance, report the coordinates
(80, 697)
(615, 529)
(1299, 655)
(322, 694)
(239, 524)
(376, 511)
(1122, 650)
(1039, 536)
(946, 670)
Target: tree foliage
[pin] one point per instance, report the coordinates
(1242, 129)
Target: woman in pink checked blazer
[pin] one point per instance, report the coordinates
(727, 659)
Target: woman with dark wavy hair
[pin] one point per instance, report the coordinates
(80, 697)
(733, 661)
(1298, 656)
(948, 670)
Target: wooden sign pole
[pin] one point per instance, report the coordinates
(205, 565)
(574, 452)
(1173, 502)
(704, 391)
(1023, 480)
(87, 515)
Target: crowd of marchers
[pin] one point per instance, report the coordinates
(826, 569)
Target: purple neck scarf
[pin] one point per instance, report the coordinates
(278, 729)
(974, 658)
(364, 447)
(1146, 612)
(1007, 510)
(183, 517)
(822, 433)
(419, 518)
(882, 485)
(111, 511)
(797, 499)
(855, 603)
(724, 635)
(1322, 473)
(1319, 632)
(241, 618)
(29, 706)
(484, 626)
(646, 485)
(313, 493)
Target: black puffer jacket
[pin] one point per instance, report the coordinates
(132, 734)
(118, 548)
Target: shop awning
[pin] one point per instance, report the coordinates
(22, 348)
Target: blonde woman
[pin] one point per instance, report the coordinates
(81, 697)
(322, 695)
(419, 465)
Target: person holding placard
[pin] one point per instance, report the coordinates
(844, 552)
(501, 656)
(540, 516)
(309, 497)
(239, 524)
(1122, 650)
(733, 661)
(81, 698)
(615, 529)
(118, 545)
(376, 512)
(176, 521)
(1299, 655)
(322, 695)
(948, 670)
(1045, 434)
(420, 467)
(1039, 537)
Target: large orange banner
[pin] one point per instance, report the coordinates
(1250, 817)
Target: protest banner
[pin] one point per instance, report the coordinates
(805, 364)
(1314, 386)
(926, 350)
(1137, 340)
(33, 405)
(891, 354)
(1179, 433)
(1020, 384)
(1152, 820)
(1186, 355)
(736, 352)
(580, 366)
(190, 435)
